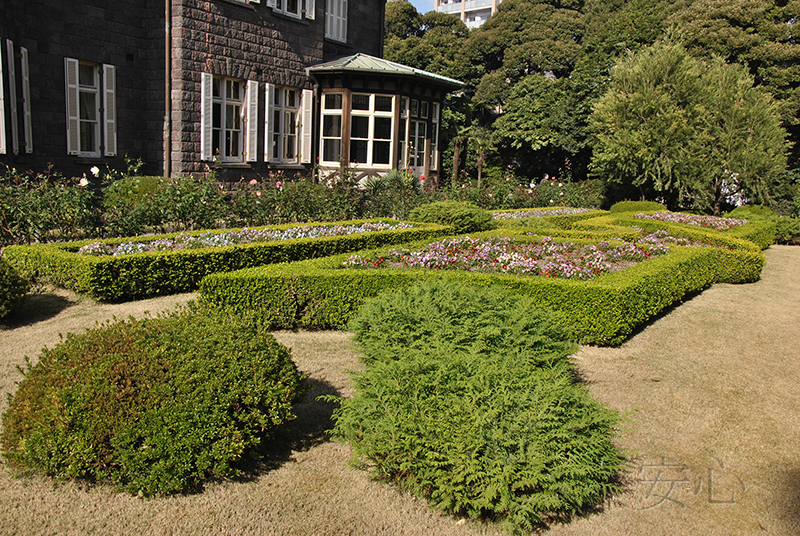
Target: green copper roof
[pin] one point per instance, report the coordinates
(364, 63)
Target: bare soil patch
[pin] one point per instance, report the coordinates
(710, 389)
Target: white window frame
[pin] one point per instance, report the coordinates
(293, 123)
(326, 111)
(27, 123)
(241, 111)
(104, 89)
(336, 20)
(371, 140)
(435, 136)
(303, 9)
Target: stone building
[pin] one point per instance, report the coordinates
(244, 86)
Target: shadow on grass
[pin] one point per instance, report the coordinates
(790, 501)
(309, 429)
(35, 308)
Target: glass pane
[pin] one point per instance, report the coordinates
(332, 126)
(290, 98)
(358, 151)
(333, 101)
(215, 87)
(404, 106)
(215, 147)
(292, 7)
(380, 152)
(331, 149)
(86, 75)
(229, 115)
(360, 102)
(233, 143)
(87, 134)
(216, 115)
(277, 97)
(88, 106)
(232, 89)
(359, 127)
(291, 123)
(275, 145)
(276, 121)
(423, 109)
(414, 108)
(383, 103)
(289, 146)
(383, 128)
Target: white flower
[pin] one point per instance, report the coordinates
(95, 170)
(83, 182)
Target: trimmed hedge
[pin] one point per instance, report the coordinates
(462, 217)
(153, 406)
(12, 288)
(321, 294)
(469, 400)
(637, 206)
(156, 273)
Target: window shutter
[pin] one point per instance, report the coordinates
(271, 3)
(12, 97)
(110, 105)
(311, 9)
(251, 140)
(269, 128)
(26, 101)
(255, 1)
(306, 127)
(71, 75)
(2, 109)
(206, 112)
(342, 23)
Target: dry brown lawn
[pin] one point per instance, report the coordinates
(710, 391)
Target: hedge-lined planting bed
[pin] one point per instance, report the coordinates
(321, 293)
(147, 274)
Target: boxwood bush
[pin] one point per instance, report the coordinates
(463, 217)
(482, 417)
(323, 293)
(154, 406)
(156, 273)
(12, 288)
(637, 206)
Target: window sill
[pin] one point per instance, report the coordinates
(232, 165)
(240, 3)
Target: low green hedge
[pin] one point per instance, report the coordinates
(144, 275)
(320, 293)
(12, 288)
(153, 406)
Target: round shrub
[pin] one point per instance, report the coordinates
(464, 217)
(636, 206)
(12, 288)
(499, 429)
(753, 212)
(154, 406)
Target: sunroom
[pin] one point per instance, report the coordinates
(376, 115)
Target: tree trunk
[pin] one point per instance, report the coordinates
(480, 169)
(456, 157)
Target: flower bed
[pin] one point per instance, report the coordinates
(710, 222)
(231, 238)
(538, 213)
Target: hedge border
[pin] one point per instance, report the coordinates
(157, 273)
(318, 294)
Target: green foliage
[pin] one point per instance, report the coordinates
(637, 206)
(753, 212)
(788, 231)
(468, 399)
(154, 406)
(699, 134)
(159, 273)
(45, 207)
(462, 217)
(12, 288)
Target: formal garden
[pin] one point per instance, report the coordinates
(467, 305)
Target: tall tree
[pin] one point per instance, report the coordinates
(687, 131)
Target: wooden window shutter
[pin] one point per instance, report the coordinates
(271, 3)
(27, 124)
(12, 97)
(251, 140)
(306, 127)
(73, 125)
(110, 105)
(269, 127)
(311, 9)
(2, 109)
(206, 113)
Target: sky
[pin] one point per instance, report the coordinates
(423, 6)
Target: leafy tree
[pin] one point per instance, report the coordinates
(688, 131)
(401, 20)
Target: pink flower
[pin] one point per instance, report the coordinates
(278, 184)
(258, 193)
(253, 182)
